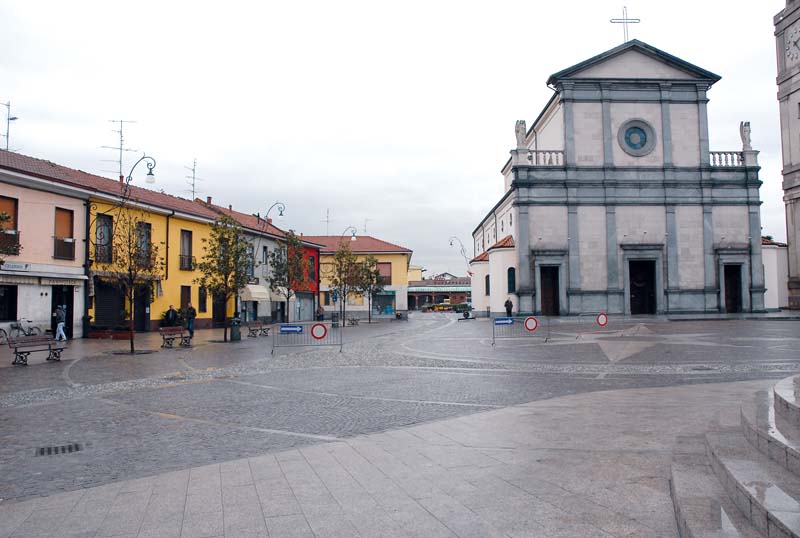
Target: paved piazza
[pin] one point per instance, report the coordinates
(419, 428)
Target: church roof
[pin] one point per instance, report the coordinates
(639, 46)
(506, 242)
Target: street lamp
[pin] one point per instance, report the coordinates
(353, 231)
(281, 208)
(463, 250)
(9, 119)
(149, 178)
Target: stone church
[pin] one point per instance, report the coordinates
(615, 203)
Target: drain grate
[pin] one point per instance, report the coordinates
(56, 450)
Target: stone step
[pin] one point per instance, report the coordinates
(763, 491)
(787, 399)
(702, 507)
(769, 432)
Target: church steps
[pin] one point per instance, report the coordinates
(787, 399)
(702, 508)
(769, 432)
(765, 493)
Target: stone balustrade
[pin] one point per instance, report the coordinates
(727, 159)
(545, 157)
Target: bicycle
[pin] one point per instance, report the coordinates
(17, 329)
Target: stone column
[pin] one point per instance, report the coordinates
(756, 263)
(569, 124)
(666, 124)
(709, 265)
(702, 117)
(574, 257)
(525, 289)
(673, 277)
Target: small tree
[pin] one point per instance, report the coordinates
(343, 275)
(369, 281)
(226, 261)
(133, 259)
(288, 268)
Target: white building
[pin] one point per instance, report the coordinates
(614, 202)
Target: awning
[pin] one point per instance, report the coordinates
(254, 292)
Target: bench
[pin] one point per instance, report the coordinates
(25, 345)
(170, 334)
(352, 321)
(257, 328)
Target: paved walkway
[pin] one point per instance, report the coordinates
(592, 464)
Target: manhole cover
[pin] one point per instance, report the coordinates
(56, 450)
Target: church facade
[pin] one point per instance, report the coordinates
(615, 203)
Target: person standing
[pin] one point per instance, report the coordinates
(320, 313)
(61, 319)
(171, 317)
(509, 305)
(191, 313)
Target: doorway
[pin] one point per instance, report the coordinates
(550, 290)
(733, 288)
(643, 286)
(141, 308)
(64, 296)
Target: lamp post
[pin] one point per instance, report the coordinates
(352, 230)
(463, 250)
(281, 208)
(149, 178)
(9, 119)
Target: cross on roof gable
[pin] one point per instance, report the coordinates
(648, 60)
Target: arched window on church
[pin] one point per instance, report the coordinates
(512, 280)
(486, 280)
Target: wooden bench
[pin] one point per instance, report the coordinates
(170, 334)
(352, 321)
(257, 328)
(25, 345)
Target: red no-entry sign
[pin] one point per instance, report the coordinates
(531, 324)
(319, 331)
(602, 319)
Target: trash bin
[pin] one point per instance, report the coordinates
(236, 329)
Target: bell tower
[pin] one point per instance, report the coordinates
(787, 41)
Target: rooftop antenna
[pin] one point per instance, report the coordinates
(625, 21)
(327, 220)
(9, 119)
(193, 178)
(365, 225)
(121, 148)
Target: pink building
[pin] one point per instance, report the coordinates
(44, 248)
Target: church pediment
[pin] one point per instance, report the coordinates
(634, 60)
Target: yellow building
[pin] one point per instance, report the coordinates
(393, 263)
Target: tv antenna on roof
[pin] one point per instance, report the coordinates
(194, 179)
(327, 220)
(121, 148)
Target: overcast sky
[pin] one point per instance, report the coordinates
(401, 113)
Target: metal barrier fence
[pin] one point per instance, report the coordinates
(530, 327)
(307, 334)
(549, 329)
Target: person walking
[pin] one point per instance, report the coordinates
(61, 319)
(509, 305)
(191, 313)
(171, 317)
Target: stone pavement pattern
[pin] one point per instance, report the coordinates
(593, 464)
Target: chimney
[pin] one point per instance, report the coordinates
(269, 220)
(122, 179)
(208, 200)
(230, 207)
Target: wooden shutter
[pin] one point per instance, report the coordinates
(9, 207)
(63, 223)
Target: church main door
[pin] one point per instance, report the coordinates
(643, 286)
(549, 279)
(733, 288)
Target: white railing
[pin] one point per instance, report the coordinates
(546, 157)
(727, 158)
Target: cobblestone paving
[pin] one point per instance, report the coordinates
(136, 416)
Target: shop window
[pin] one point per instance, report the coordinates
(385, 273)
(512, 280)
(8, 303)
(251, 266)
(63, 239)
(326, 298)
(9, 232)
(103, 240)
(312, 269)
(202, 299)
(486, 283)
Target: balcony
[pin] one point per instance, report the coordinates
(9, 242)
(186, 263)
(102, 254)
(726, 159)
(64, 248)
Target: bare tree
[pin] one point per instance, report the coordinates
(343, 273)
(369, 282)
(288, 268)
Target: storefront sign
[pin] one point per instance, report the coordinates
(61, 282)
(15, 266)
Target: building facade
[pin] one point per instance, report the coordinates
(614, 201)
(393, 264)
(43, 245)
(787, 41)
